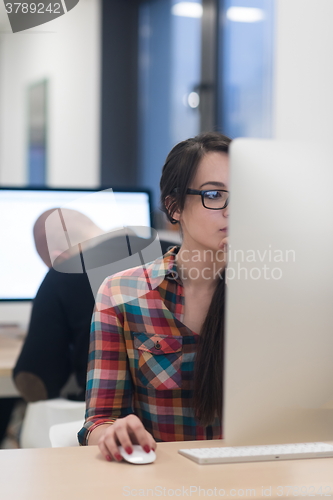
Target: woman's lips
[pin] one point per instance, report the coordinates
(225, 229)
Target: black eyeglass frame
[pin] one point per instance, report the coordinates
(202, 193)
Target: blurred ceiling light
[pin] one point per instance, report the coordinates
(245, 14)
(193, 100)
(187, 9)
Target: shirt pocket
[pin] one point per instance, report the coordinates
(158, 360)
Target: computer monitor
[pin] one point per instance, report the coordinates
(278, 378)
(21, 268)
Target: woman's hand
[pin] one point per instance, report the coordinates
(224, 244)
(125, 432)
(224, 247)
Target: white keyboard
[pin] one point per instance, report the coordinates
(228, 455)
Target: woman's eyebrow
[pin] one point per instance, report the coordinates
(219, 184)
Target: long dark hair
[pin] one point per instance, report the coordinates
(178, 172)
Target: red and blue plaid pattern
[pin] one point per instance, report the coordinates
(141, 357)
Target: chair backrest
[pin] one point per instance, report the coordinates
(42, 415)
(63, 435)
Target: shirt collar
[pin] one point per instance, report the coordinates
(172, 270)
(166, 266)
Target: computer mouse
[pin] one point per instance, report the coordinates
(138, 456)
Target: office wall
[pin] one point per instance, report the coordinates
(67, 52)
(303, 106)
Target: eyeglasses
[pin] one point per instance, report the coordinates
(213, 199)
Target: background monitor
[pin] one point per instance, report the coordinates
(21, 268)
(279, 317)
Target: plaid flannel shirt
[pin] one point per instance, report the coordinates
(141, 357)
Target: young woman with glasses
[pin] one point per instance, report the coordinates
(156, 362)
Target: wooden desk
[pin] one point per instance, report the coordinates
(82, 474)
(11, 341)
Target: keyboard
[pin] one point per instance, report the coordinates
(238, 454)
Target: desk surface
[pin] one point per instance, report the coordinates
(80, 473)
(11, 341)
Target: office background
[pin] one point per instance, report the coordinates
(123, 81)
(101, 94)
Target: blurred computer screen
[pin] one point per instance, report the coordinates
(21, 268)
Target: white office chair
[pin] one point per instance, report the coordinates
(41, 416)
(63, 435)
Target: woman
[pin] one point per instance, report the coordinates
(156, 362)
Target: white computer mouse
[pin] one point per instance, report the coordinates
(138, 456)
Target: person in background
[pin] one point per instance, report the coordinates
(57, 342)
(7, 406)
(156, 362)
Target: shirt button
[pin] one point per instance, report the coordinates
(157, 345)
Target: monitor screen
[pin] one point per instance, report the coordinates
(21, 268)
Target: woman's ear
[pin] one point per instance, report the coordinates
(176, 215)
